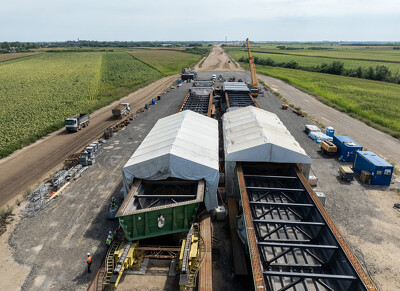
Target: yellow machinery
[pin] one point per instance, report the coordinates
(254, 88)
(191, 257)
(346, 173)
(124, 254)
(120, 256)
(328, 147)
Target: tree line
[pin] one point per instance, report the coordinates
(17, 46)
(378, 73)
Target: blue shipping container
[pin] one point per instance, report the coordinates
(380, 170)
(346, 147)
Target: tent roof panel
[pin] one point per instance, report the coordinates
(183, 145)
(253, 134)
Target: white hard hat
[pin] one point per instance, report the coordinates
(110, 231)
(88, 254)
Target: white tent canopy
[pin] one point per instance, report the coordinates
(255, 135)
(183, 145)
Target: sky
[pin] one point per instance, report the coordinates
(201, 20)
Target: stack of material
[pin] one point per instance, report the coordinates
(365, 176)
(311, 128)
(318, 136)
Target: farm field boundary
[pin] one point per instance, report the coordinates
(39, 92)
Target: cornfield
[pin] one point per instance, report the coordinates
(37, 93)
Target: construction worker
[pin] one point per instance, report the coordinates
(88, 262)
(109, 239)
(113, 201)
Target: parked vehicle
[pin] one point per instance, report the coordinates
(77, 122)
(121, 110)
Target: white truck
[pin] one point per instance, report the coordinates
(121, 110)
(77, 122)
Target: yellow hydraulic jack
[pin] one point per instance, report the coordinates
(191, 257)
(121, 255)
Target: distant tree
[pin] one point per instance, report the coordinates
(291, 65)
(5, 45)
(336, 68)
(382, 73)
(359, 72)
(369, 73)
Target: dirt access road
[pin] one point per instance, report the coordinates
(26, 167)
(32, 164)
(370, 138)
(218, 60)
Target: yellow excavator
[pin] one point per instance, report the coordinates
(254, 88)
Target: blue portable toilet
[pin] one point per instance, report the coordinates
(381, 171)
(330, 131)
(346, 147)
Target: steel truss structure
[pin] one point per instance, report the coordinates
(200, 103)
(293, 244)
(158, 252)
(239, 99)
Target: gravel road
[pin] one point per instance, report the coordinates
(55, 242)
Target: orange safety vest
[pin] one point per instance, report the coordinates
(88, 259)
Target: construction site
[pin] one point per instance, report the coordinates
(213, 183)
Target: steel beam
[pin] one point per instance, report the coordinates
(296, 246)
(166, 196)
(309, 275)
(270, 177)
(275, 189)
(166, 182)
(258, 278)
(288, 222)
(277, 204)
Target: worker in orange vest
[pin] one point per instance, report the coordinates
(88, 262)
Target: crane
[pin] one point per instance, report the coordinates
(254, 88)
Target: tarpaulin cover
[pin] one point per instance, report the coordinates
(235, 86)
(255, 135)
(200, 91)
(183, 145)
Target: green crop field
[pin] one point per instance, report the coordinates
(308, 58)
(38, 92)
(371, 53)
(167, 61)
(376, 103)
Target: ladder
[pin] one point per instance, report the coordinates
(109, 263)
(194, 270)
